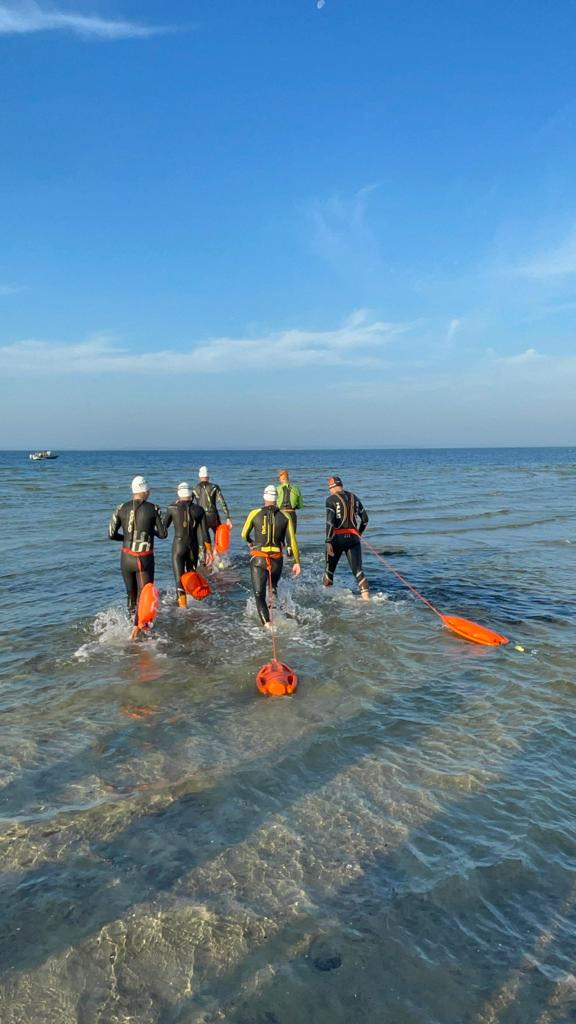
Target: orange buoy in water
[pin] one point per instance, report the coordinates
(195, 585)
(147, 605)
(276, 679)
(222, 538)
(473, 631)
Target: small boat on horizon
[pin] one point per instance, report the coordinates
(37, 456)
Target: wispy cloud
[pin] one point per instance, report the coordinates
(522, 358)
(359, 342)
(29, 16)
(453, 328)
(10, 289)
(555, 263)
(342, 234)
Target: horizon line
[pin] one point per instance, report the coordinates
(318, 448)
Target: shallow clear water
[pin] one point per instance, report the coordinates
(396, 842)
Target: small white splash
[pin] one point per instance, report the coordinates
(110, 628)
(320, 4)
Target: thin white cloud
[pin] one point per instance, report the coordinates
(10, 289)
(522, 358)
(29, 16)
(359, 342)
(342, 234)
(453, 328)
(555, 263)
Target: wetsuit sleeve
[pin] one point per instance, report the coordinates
(362, 514)
(202, 532)
(249, 525)
(220, 497)
(167, 520)
(115, 525)
(293, 543)
(160, 529)
(330, 520)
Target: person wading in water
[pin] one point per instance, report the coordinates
(267, 530)
(190, 536)
(346, 520)
(135, 524)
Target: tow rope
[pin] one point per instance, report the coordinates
(464, 628)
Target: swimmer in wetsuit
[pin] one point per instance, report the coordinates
(346, 520)
(208, 495)
(190, 536)
(267, 530)
(135, 524)
(289, 498)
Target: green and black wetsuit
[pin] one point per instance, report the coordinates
(289, 499)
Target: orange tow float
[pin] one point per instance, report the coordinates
(147, 605)
(465, 628)
(195, 585)
(222, 538)
(147, 608)
(276, 679)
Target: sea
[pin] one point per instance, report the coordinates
(393, 844)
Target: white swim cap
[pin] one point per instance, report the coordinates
(270, 493)
(139, 485)
(203, 472)
(184, 490)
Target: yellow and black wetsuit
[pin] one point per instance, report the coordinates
(135, 524)
(346, 520)
(267, 530)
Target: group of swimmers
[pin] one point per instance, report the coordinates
(268, 530)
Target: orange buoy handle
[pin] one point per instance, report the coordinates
(195, 585)
(276, 679)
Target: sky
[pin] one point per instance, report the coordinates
(276, 223)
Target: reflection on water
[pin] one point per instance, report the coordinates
(395, 842)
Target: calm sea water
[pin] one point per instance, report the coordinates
(395, 843)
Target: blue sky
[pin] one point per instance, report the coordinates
(242, 223)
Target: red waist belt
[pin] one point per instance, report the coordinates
(351, 530)
(138, 554)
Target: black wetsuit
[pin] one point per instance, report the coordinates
(207, 494)
(267, 530)
(345, 519)
(135, 524)
(190, 534)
